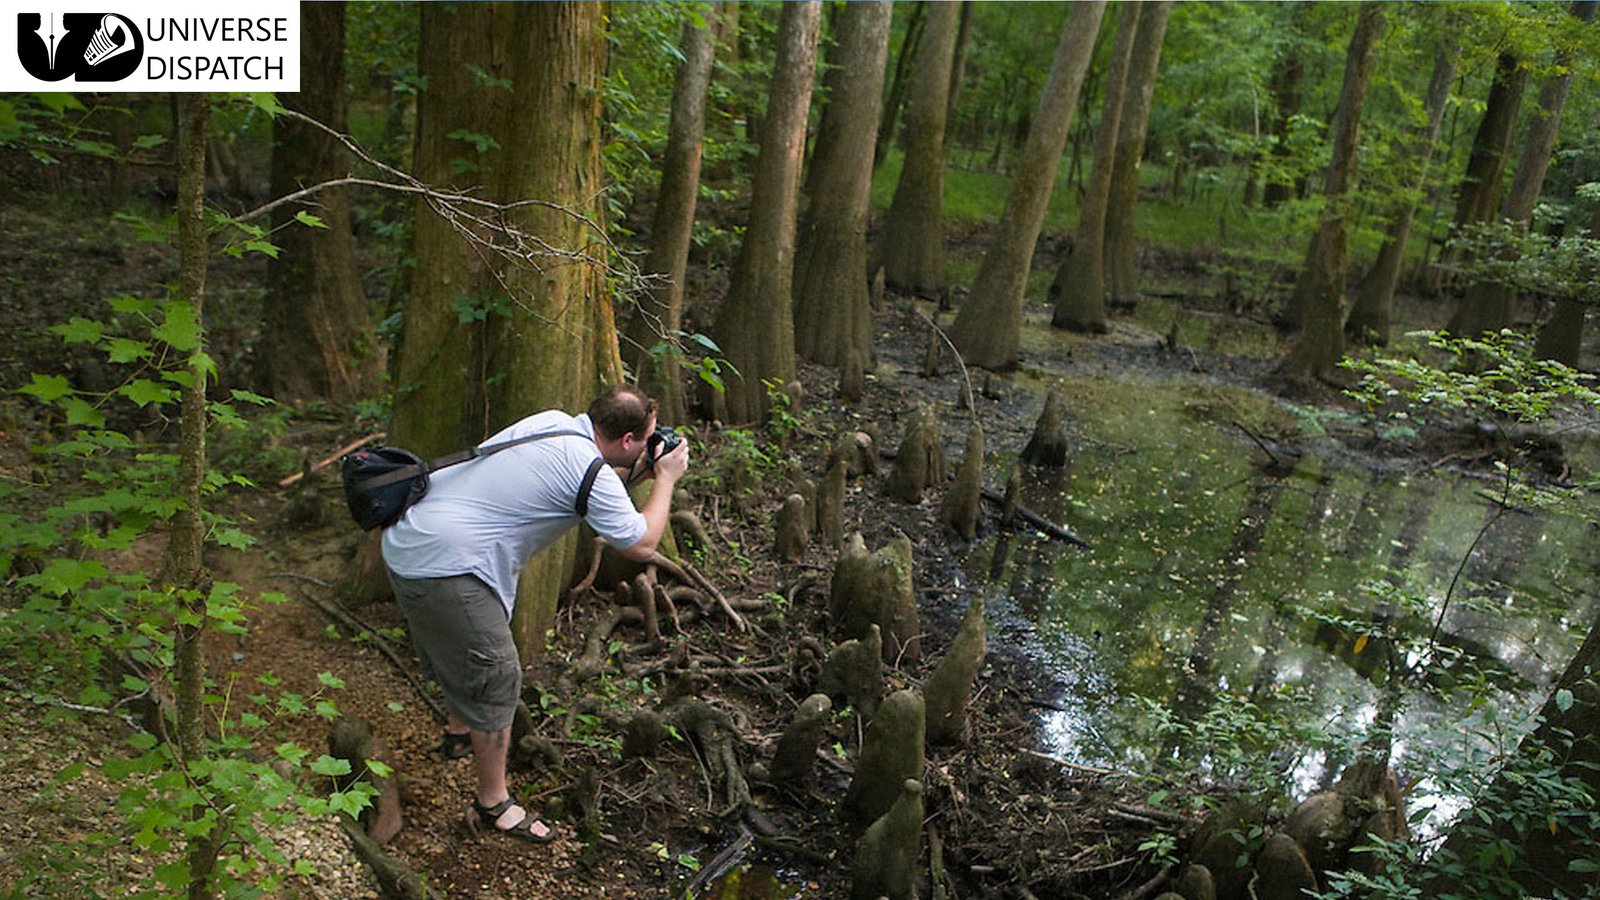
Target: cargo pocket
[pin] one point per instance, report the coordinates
(493, 683)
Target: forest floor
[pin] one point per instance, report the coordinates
(1009, 822)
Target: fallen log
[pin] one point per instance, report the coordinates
(1051, 529)
(394, 878)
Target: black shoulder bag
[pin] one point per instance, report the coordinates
(381, 483)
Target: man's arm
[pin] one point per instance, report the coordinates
(658, 507)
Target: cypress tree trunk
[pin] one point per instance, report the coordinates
(987, 329)
(1285, 87)
(912, 251)
(897, 85)
(317, 341)
(660, 312)
(1079, 288)
(1479, 193)
(1318, 301)
(756, 325)
(832, 309)
(491, 336)
(1122, 280)
(1374, 304)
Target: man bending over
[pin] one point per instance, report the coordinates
(454, 558)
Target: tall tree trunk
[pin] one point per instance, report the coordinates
(1317, 305)
(832, 309)
(492, 335)
(660, 314)
(1479, 193)
(1561, 338)
(1374, 305)
(958, 72)
(317, 340)
(1285, 88)
(756, 325)
(185, 570)
(1079, 288)
(1122, 279)
(909, 45)
(987, 329)
(1487, 306)
(912, 250)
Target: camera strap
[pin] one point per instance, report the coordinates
(461, 456)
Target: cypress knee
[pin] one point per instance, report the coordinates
(794, 531)
(1048, 446)
(891, 752)
(797, 749)
(959, 511)
(950, 685)
(887, 854)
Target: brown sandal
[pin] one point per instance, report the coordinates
(481, 818)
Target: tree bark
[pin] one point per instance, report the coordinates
(987, 329)
(1479, 193)
(660, 314)
(1122, 280)
(1374, 306)
(832, 308)
(897, 85)
(494, 335)
(912, 250)
(1079, 288)
(1317, 305)
(317, 339)
(756, 325)
(1285, 87)
(184, 569)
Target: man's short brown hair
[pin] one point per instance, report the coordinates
(624, 409)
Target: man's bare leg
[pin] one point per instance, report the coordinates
(489, 750)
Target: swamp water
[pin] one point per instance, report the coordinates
(1237, 618)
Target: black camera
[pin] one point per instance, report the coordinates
(661, 442)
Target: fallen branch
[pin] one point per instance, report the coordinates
(344, 617)
(393, 876)
(1059, 532)
(1077, 767)
(337, 454)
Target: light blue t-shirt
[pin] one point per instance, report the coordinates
(488, 517)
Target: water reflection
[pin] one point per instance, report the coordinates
(1220, 576)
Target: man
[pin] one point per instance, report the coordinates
(454, 557)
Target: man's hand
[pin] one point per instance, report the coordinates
(672, 466)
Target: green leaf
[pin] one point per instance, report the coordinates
(1564, 700)
(82, 412)
(145, 392)
(58, 102)
(380, 769)
(143, 741)
(265, 248)
(292, 752)
(181, 328)
(47, 387)
(135, 684)
(328, 679)
(126, 350)
(327, 765)
(149, 141)
(64, 575)
(266, 101)
(308, 220)
(78, 330)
